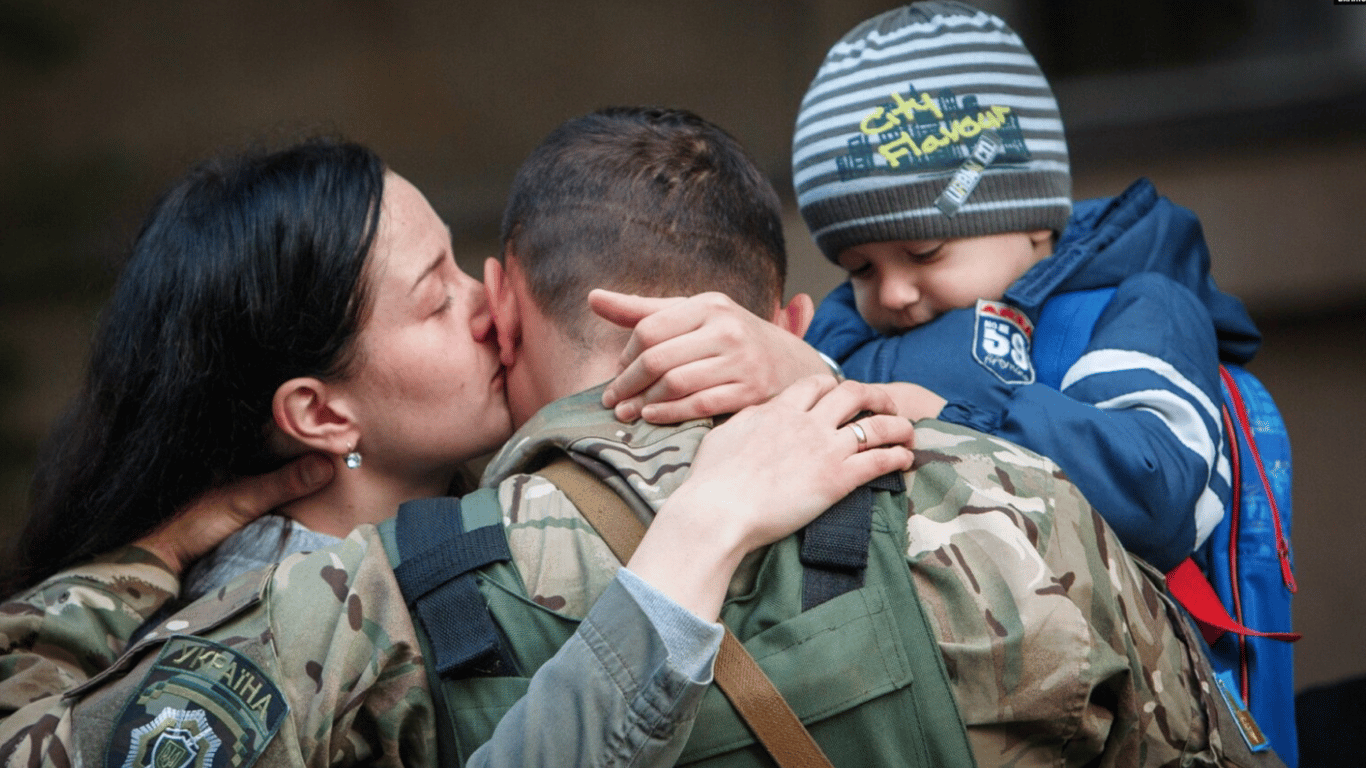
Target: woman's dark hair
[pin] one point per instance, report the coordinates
(248, 272)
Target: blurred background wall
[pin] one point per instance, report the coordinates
(1247, 111)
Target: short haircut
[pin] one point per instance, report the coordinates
(657, 202)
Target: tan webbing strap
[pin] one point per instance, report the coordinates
(609, 515)
(738, 675)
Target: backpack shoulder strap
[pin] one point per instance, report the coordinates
(441, 542)
(738, 675)
(1236, 414)
(1063, 331)
(834, 551)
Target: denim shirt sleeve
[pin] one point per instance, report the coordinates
(625, 689)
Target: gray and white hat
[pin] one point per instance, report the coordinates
(930, 121)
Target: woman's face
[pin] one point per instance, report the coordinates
(427, 386)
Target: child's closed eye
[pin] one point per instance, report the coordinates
(860, 272)
(925, 256)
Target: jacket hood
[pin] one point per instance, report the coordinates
(1110, 239)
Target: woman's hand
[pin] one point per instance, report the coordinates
(762, 475)
(701, 356)
(205, 522)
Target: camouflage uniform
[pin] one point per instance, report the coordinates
(1061, 649)
(326, 634)
(76, 625)
(337, 610)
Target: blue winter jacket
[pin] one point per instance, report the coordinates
(1135, 422)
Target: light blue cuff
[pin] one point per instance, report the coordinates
(691, 642)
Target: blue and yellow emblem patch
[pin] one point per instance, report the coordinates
(202, 705)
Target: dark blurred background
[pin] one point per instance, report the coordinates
(1247, 111)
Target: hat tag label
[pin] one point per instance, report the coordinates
(966, 178)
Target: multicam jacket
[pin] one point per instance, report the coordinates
(854, 658)
(1060, 649)
(311, 663)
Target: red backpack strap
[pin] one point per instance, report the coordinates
(1187, 583)
(1190, 588)
(1245, 428)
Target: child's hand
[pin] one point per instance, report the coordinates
(701, 356)
(913, 401)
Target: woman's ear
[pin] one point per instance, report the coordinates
(503, 303)
(308, 411)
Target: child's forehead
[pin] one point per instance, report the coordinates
(881, 248)
(1015, 247)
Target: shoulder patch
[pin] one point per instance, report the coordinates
(1001, 341)
(202, 705)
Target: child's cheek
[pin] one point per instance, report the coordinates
(865, 300)
(878, 317)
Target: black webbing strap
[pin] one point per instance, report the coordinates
(834, 551)
(437, 557)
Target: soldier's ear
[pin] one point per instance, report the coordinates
(311, 413)
(795, 318)
(503, 303)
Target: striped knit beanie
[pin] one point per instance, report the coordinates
(930, 121)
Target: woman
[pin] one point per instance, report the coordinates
(234, 339)
(307, 300)
(245, 275)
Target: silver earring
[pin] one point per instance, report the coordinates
(352, 458)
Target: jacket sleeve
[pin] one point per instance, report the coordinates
(60, 634)
(837, 329)
(1136, 424)
(324, 629)
(72, 626)
(1103, 669)
(331, 632)
(624, 690)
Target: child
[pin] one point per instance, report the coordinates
(929, 161)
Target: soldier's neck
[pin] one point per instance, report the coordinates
(550, 365)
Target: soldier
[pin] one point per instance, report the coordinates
(1055, 646)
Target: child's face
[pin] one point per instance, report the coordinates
(900, 284)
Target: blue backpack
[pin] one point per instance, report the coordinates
(1243, 575)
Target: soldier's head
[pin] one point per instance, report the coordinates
(655, 202)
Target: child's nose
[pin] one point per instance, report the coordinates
(898, 292)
